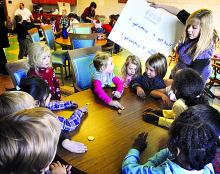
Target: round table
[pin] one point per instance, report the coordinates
(66, 42)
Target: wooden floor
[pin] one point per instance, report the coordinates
(5, 83)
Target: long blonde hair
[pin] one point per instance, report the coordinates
(133, 60)
(35, 54)
(207, 33)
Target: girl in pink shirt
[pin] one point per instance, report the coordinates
(104, 77)
(131, 69)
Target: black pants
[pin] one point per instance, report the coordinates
(3, 62)
(24, 45)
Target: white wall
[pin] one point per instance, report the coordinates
(107, 7)
(15, 5)
(104, 7)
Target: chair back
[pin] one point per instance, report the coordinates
(82, 40)
(82, 28)
(17, 70)
(33, 33)
(49, 36)
(81, 61)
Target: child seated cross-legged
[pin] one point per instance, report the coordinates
(39, 90)
(191, 146)
(39, 61)
(25, 146)
(188, 88)
(131, 69)
(156, 68)
(103, 77)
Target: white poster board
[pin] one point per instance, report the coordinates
(144, 30)
(64, 6)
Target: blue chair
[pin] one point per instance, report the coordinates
(82, 40)
(58, 57)
(82, 28)
(17, 70)
(81, 61)
(35, 37)
(18, 75)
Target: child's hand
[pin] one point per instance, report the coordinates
(116, 94)
(116, 104)
(166, 100)
(140, 143)
(140, 92)
(153, 4)
(84, 109)
(73, 146)
(58, 168)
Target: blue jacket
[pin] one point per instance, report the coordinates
(158, 164)
(148, 84)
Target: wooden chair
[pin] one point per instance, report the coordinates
(33, 33)
(17, 70)
(81, 61)
(58, 57)
(82, 40)
(214, 80)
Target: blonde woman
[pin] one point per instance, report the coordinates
(196, 49)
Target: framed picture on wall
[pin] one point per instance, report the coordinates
(122, 1)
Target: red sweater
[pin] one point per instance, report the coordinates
(48, 75)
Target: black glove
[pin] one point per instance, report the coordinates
(155, 111)
(140, 143)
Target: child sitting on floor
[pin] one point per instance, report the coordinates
(191, 148)
(104, 76)
(188, 88)
(39, 61)
(131, 69)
